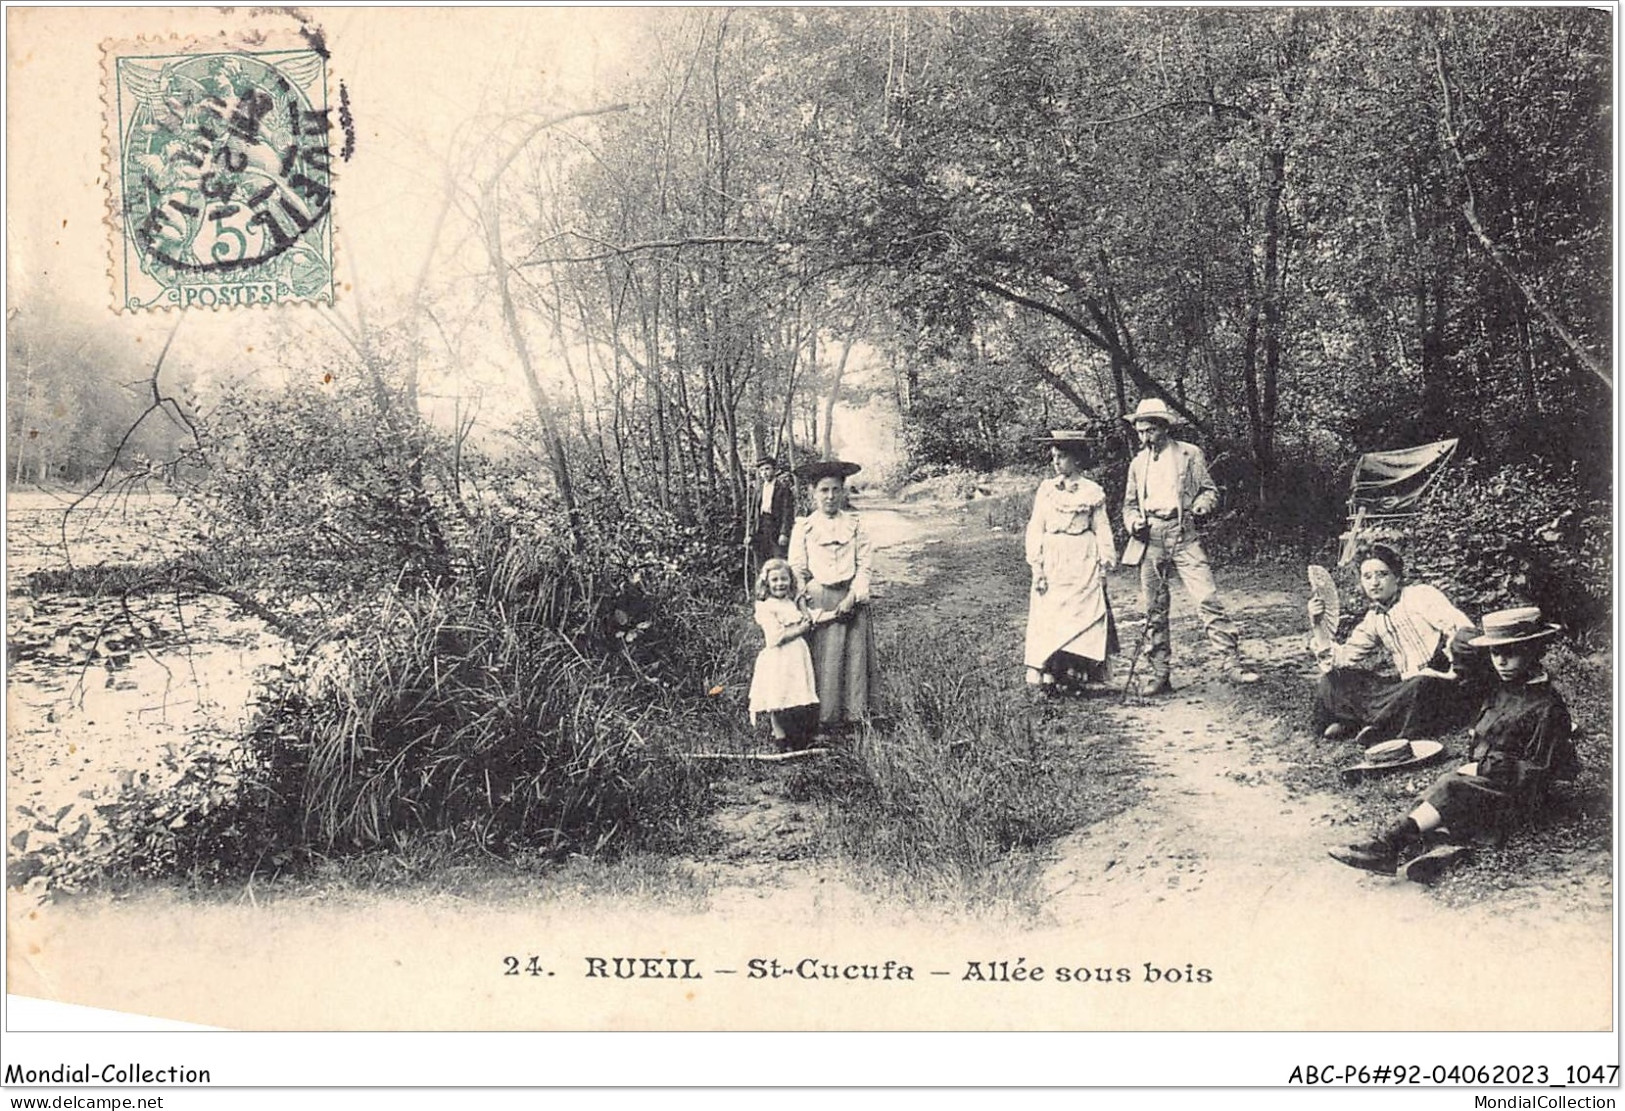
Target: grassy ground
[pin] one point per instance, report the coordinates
(1570, 844)
(958, 793)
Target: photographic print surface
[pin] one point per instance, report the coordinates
(452, 613)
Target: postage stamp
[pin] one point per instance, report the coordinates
(219, 173)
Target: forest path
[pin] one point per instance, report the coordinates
(1217, 874)
(1223, 863)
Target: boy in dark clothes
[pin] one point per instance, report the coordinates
(1521, 742)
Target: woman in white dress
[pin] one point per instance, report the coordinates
(1070, 549)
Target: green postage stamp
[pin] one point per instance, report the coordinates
(219, 174)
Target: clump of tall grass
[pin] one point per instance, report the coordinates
(538, 703)
(960, 791)
(512, 705)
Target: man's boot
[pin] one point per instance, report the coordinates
(1429, 866)
(1155, 686)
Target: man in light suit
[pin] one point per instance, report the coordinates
(1169, 492)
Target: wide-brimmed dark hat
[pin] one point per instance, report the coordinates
(1393, 755)
(770, 461)
(811, 473)
(1514, 626)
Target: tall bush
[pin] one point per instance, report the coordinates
(466, 663)
(540, 700)
(319, 492)
(1517, 534)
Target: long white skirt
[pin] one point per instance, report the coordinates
(1070, 616)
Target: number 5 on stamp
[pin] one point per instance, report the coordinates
(219, 173)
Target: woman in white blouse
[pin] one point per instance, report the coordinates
(1070, 549)
(830, 553)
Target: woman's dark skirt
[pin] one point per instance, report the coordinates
(1422, 706)
(843, 654)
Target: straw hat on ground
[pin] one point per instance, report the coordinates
(1392, 755)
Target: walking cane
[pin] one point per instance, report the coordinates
(1145, 624)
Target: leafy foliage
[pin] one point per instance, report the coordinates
(1518, 534)
(1257, 214)
(538, 702)
(186, 816)
(321, 490)
(474, 663)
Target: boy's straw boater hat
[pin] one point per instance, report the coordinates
(817, 470)
(1393, 755)
(1523, 625)
(1152, 408)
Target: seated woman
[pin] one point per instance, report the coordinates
(830, 553)
(1070, 549)
(1422, 634)
(1522, 741)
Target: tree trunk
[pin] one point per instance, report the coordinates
(1436, 419)
(1264, 434)
(558, 461)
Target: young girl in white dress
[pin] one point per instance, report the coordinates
(782, 686)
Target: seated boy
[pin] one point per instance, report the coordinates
(1422, 634)
(1521, 742)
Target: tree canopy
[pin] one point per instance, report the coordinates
(1307, 230)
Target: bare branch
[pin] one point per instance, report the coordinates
(614, 250)
(157, 405)
(1146, 383)
(1469, 210)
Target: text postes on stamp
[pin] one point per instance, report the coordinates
(221, 175)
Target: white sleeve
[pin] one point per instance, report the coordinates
(1035, 532)
(861, 549)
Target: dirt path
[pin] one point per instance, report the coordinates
(1221, 863)
(770, 859)
(1223, 858)
(1218, 875)
(1225, 864)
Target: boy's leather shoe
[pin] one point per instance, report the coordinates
(1371, 856)
(1432, 864)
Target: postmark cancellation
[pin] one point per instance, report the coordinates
(219, 173)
